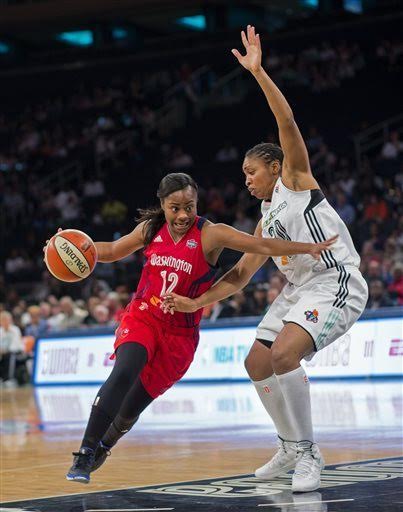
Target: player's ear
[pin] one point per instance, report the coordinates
(275, 167)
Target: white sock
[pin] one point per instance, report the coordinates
(295, 388)
(272, 398)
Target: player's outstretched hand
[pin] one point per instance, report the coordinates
(252, 61)
(47, 241)
(318, 248)
(174, 302)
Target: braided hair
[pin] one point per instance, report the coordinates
(267, 152)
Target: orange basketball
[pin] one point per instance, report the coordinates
(70, 255)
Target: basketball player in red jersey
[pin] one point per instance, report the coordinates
(154, 350)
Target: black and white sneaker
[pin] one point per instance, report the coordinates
(101, 452)
(82, 464)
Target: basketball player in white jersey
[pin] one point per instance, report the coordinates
(322, 299)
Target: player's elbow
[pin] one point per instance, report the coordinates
(287, 120)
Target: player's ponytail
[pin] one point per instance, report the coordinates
(154, 218)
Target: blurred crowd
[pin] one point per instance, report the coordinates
(39, 137)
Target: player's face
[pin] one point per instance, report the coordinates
(180, 210)
(260, 177)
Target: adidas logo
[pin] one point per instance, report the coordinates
(158, 239)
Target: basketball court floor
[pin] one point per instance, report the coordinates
(196, 447)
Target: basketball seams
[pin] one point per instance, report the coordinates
(63, 263)
(79, 253)
(66, 244)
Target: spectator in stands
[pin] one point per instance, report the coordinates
(180, 160)
(396, 286)
(237, 305)
(344, 209)
(37, 326)
(113, 211)
(376, 208)
(11, 345)
(101, 315)
(93, 188)
(228, 153)
(378, 296)
(242, 222)
(375, 240)
(259, 299)
(70, 317)
(393, 147)
(271, 296)
(113, 303)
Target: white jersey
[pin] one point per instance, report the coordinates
(306, 216)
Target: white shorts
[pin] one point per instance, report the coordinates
(326, 306)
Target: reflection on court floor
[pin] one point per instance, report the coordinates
(335, 405)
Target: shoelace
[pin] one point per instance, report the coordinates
(280, 452)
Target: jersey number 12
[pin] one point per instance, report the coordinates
(172, 279)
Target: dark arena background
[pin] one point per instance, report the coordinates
(99, 99)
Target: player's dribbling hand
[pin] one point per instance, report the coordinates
(318, 248)
(252, 61)
(47, 241)
(174, 302)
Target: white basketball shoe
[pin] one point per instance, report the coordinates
(309, 465)
(283, 460)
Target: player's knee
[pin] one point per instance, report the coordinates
(256, 368)
(282, 359)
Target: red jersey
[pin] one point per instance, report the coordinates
(178, 267)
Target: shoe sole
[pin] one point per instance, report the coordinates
(275, 474)
(77, 479)
(307, 489)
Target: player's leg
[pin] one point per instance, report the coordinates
(259, 367)
(291, 345)
(137, 399)
(130, 360)
(339, 300)
(172, 359)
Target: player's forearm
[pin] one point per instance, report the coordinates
(277, 102)
(231, 282)
(105, 252)
(278, 247)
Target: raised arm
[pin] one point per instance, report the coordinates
(296, 170)
(119, 249)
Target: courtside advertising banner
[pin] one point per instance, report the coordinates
(370, 348)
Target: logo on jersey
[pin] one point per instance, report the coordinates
(275, 212)
(158, 239)
(312, 316)
(266, 389)
(122, 333)
(170, 261)
(192, 244)
(155, 300)
(143, 306)
(276, 189)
